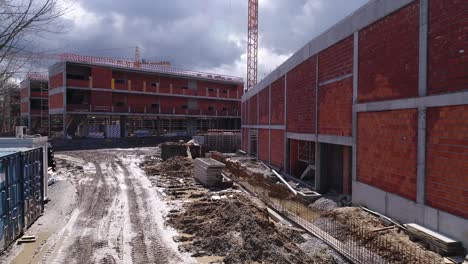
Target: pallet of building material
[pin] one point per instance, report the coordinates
(208, 171)
(173, 149)
(440, 243)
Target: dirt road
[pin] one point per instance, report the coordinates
(117, 217)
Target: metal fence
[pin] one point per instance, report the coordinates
(351, 238)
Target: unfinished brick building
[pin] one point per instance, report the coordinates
(86, 97)
(376, 107)
(35, 103)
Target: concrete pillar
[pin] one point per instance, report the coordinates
(269, 123)
(123, 126)
(286, 142)
(422, 89)
(318, 171)
(355, 101)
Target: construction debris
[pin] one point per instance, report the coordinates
(438, 242)
(229, 226)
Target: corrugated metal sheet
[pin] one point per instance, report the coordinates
(21, 191)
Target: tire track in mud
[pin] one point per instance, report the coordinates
(147, 246)
(114, 220)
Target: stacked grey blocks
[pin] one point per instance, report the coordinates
(208, 171)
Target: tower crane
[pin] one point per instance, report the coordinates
(252, 44)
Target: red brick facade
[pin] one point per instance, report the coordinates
(336, 61)
(448, 49)
(264, 105)
(277, 148)
(101, 77)
(56, 101)
(388, 56)
(447, 159)
(252, 110)
(56, 81)
(335, 108)
(386, 152)
(263, 144)
(277, 102)
(301, 83)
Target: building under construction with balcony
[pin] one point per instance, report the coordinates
(35, 103)
(100, 97)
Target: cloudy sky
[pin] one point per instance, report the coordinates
(204, 35)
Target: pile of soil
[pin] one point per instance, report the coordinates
(180, 166)
(238, 230)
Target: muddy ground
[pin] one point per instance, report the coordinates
(228, 225)
(111, 214)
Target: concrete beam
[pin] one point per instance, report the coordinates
(150, 115)
(56, 111)
(364, 16)
(337, 79)
(57, 68)
(451, 99)
(274, 127)
(337, 140)
(151, 93)
(57, 90)
(301, 136)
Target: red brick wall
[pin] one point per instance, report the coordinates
(245, 140)
(388, 56)
(277, 102)
(301, 97)
(264, 106)
(101, 77)
(347, 185)
(56, 80)
(387, 151)
(448, 46)
(101, 101)
(252, 110)
(277, 148)
(263, 144)
(337, 60)
(56, 101)
(25, 107)
(447, 159)
(335, 108)
(293, 158)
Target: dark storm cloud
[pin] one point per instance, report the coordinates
(193, 34)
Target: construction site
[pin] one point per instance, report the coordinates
(353, 150)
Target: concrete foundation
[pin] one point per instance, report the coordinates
(407, 211)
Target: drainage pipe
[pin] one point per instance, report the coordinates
(285, 182)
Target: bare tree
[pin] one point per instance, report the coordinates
(21, 21)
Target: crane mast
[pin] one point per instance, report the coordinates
(252, 45)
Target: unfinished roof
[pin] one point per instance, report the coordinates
(125, 64)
